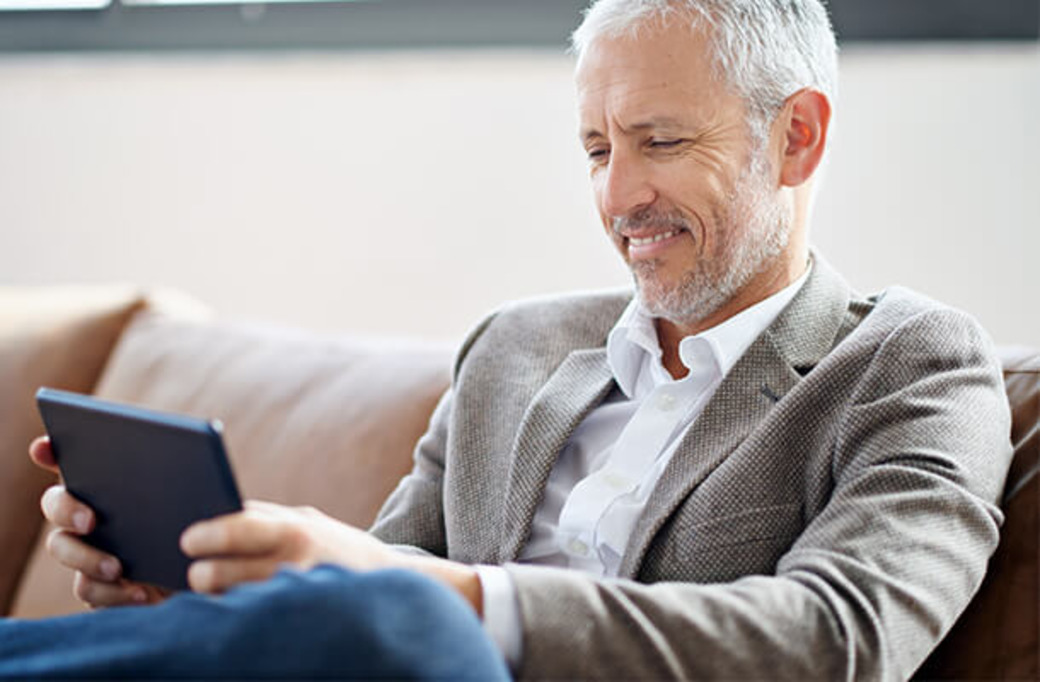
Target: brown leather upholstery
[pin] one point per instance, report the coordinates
(996, 638)
(308, 420)
(58, 337)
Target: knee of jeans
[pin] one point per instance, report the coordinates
(318, 595)
(384, 623)
(376, 611)
(365, 606)
(396, 598)
(301, 617)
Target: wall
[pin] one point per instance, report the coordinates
(410, 192)
(935, 182)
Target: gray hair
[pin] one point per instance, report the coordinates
(766, 50)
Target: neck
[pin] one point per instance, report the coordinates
(767, 283)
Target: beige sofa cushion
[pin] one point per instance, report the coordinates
(328, 422)
(54, 336)
(308, 420)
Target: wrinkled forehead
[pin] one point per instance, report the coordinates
(682, 34)
(664, 65)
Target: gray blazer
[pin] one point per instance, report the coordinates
(828, 516)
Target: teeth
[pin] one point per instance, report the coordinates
(650, 240)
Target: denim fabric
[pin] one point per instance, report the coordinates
(326, 623)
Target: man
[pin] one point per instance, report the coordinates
(745, 471)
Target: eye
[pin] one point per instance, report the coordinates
(597, 154)
(665, 143)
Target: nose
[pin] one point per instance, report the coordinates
(626, 186)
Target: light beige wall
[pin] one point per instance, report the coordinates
(935, 182)
(408, 193)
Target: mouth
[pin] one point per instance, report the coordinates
(652, 246)
(646, 241)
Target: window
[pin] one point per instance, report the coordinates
(41, 25)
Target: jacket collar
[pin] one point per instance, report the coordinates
(774, 363)
(798, 338)
(811, 325)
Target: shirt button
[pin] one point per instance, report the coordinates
(666, 402)
(578, 547)
(615, 480)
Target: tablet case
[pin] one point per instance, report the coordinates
(148, 475)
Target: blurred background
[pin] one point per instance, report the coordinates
(403, 166)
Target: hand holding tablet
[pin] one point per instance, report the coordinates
(147, 475)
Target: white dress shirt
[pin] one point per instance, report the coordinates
(605, 473)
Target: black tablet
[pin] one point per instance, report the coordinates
(148, 475)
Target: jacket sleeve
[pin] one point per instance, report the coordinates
(876, 578)
(413, 516)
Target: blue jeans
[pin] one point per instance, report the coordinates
(326, 623)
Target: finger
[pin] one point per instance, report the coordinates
(42, 455)
(71, 551)
(219, 575)
(274, 510)
(246, 533)
(156, 594)
(65, 511)
(98, 594)
(263, 507)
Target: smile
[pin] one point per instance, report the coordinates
(650, 240)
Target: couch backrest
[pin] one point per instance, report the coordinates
(53, 336)
(331, 423)
(309, 420)
(322, 421)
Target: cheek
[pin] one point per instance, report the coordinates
(696, 190)
(597, 190)
(604, 217)
(703, 197)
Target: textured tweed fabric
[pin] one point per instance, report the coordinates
(828, 516)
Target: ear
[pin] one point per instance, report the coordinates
(806, 119)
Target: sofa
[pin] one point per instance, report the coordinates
(330, 421)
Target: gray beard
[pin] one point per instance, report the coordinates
(755, 231)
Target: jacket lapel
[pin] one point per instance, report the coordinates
(800, 336)
(580, 383)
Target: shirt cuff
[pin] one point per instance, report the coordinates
(501, 612)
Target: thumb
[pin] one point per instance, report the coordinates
(42, 455)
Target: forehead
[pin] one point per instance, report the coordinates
(663, 70)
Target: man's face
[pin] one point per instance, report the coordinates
(688, 197)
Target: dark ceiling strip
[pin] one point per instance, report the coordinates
(402, 24)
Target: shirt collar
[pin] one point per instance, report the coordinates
(633, 344)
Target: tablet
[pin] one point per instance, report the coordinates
(148, 475)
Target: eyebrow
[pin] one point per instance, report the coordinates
(649, 124)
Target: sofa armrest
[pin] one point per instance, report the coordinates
(54, 336)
